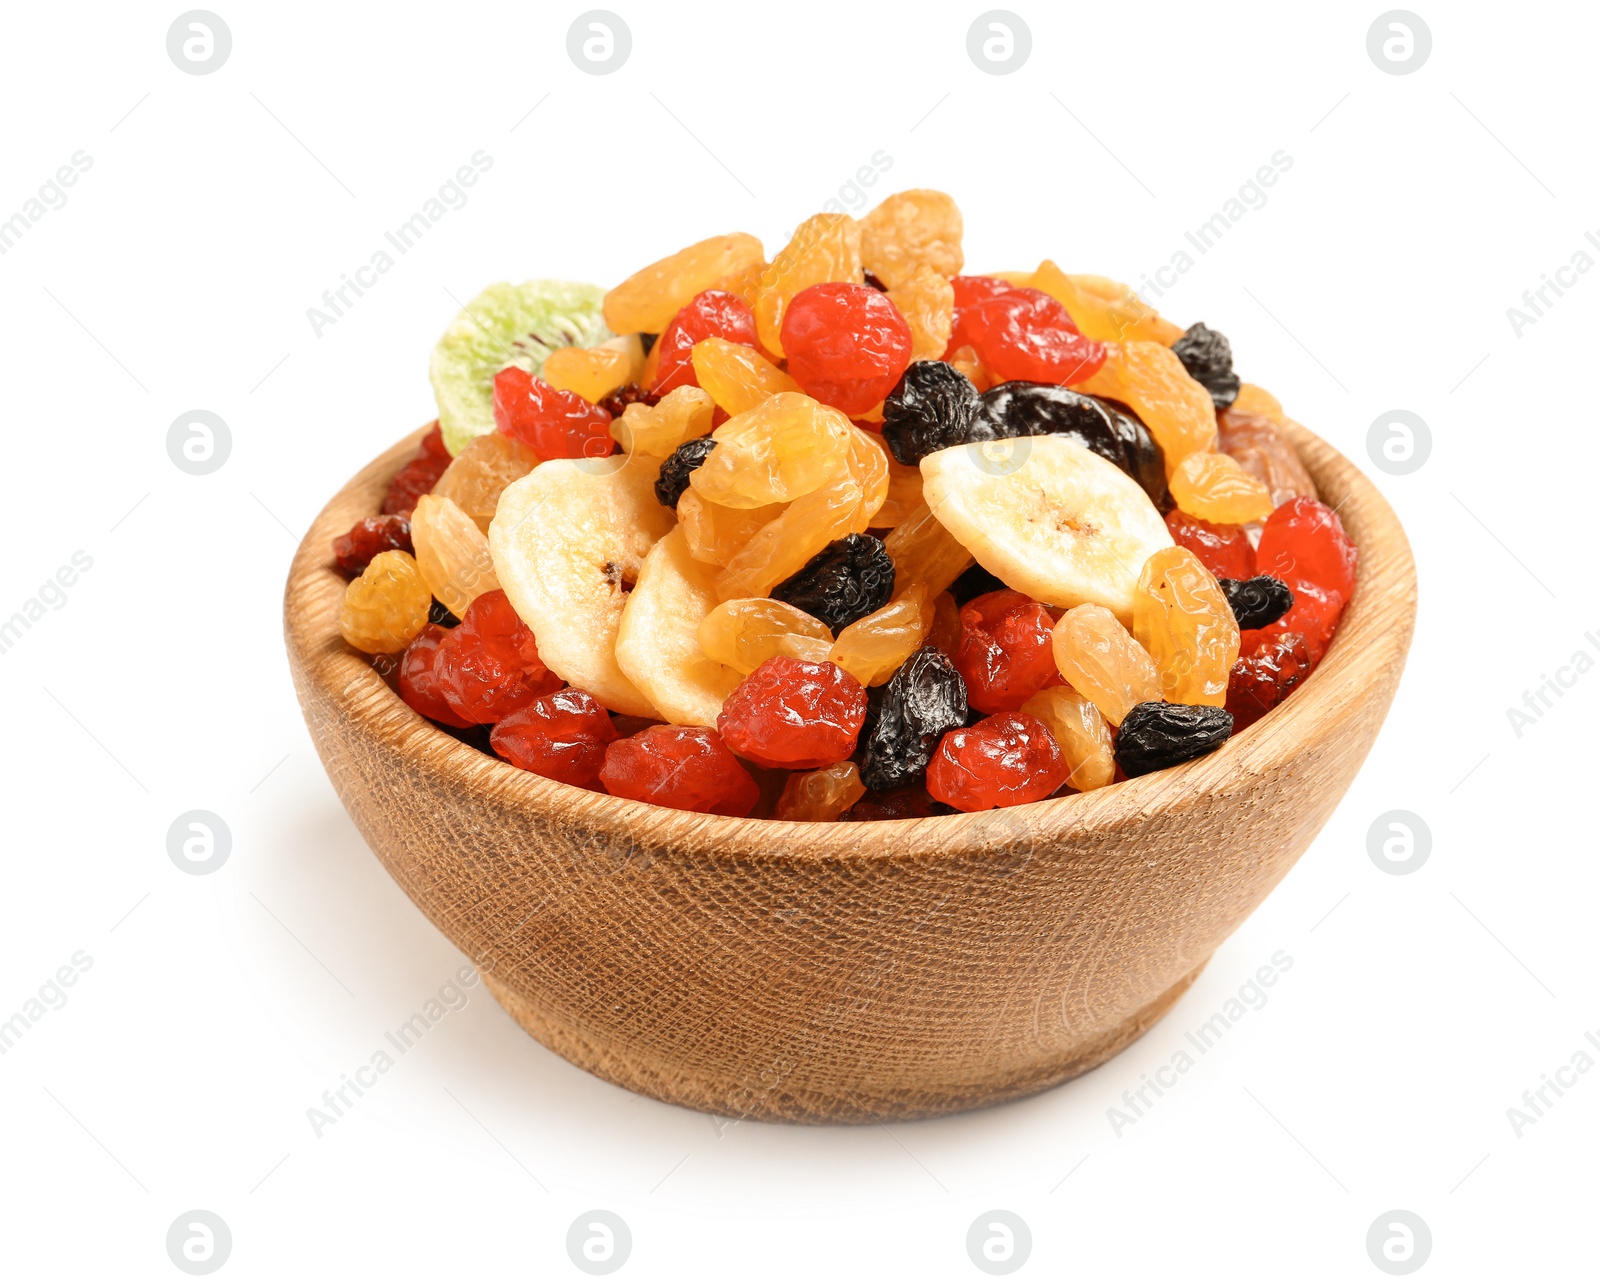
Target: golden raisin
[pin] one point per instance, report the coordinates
(874, 647)
(905, 493)
(716, 533)
(593, 372)
(1255, 400)
(1101, 660)
(1183, 620)
(745, 282)
(946, 632)
(919, 228)
(485, 467)
(1151, 379)
(927, 302)
(651, 298)
(821, 795)
(452, 554)
(778, 450)
(826, 247)
(868, 463)
(925, 553)
(386, 606)
(1103, 309)
(736, 376)
(1216, 487)
(793, 538)
(661, 429)
(965, 360)
(1080, 730)
(743, 632)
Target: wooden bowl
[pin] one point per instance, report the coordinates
(856, 971)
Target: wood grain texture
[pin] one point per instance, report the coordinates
(845, 972)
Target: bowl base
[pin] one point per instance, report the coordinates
(797, 1103)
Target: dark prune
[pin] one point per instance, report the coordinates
(976, 580)
(1257, 602)
(934, 406)
(369, 538)
(1159, 734)
(1265, 676)
(849, 579)
(925, 699)
(673, 479)
(872, 280)
(1021, 409)
(1208, 357)
(619, 400)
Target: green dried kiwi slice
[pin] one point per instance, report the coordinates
(506, 325)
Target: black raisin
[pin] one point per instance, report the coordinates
(934, 406)
(1208, 357)
(1257, 602)
(1159, 734)
(872, 280)
(673, 479)
(925, 699)
(913, 801)
(1021, 409)
(974, 581)
(619, 400)
(849, 579)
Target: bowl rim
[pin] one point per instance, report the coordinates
(1372, 639)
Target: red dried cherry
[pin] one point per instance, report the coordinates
(1223, 548)
(418, 679)
(681, 767)
(489, 666)
(557, 423)
(790, 713)
(846, 345)
(1315, 615)
(1004, 653)
(1265, 675)
(1303, 540)
(711, 313)
(1002, 760)
(369, 538)
(418, 476)
(562, 735)
(1027, 335)
(970, 292)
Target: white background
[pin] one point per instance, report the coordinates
(218, 208)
